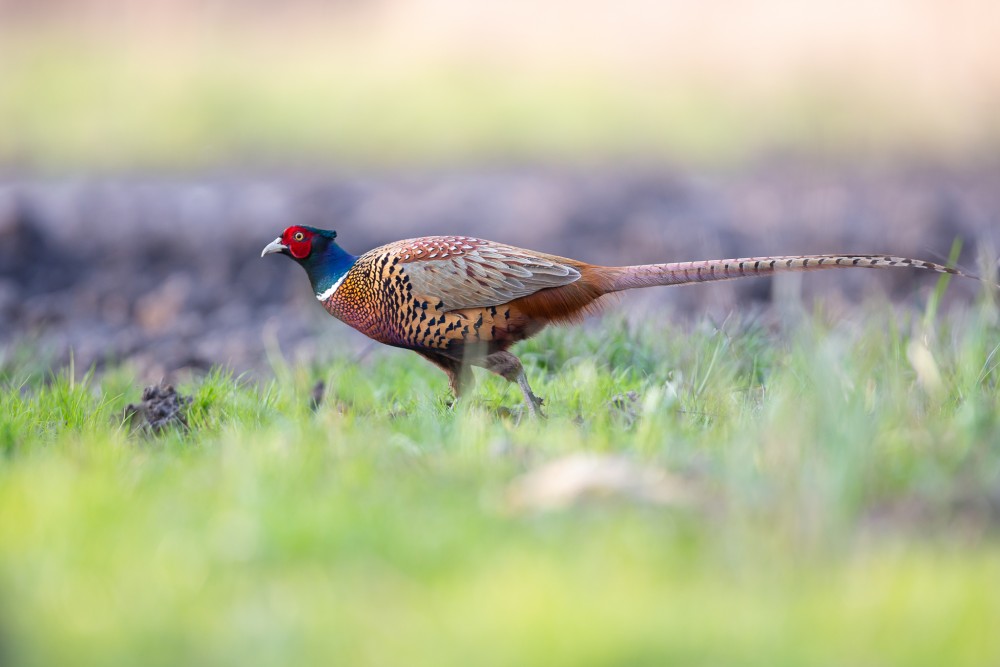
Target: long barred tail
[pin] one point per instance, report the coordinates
(679, 273)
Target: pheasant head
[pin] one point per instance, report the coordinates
(316, 251)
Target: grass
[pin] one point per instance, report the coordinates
(79, 101)
(847, 472)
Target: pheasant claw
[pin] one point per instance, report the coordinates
(532, 402)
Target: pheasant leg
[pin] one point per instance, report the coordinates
(533, 402)
(509, 367)
(460, 377)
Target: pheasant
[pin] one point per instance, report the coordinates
(459, 301)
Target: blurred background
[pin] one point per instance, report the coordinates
(149, 150)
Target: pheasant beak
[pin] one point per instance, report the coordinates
(274, 246)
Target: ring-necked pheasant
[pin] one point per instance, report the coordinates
(461, 302)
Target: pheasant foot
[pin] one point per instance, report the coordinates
(532, 402)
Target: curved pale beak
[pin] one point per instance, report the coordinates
(274, 246)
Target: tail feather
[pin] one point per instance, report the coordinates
(680, 273)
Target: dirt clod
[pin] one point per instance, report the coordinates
(317, 394)
(161, 407)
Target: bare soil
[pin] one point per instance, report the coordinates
(164, 272)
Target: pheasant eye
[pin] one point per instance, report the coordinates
(299, 236)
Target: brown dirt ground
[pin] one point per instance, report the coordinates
(165, 273)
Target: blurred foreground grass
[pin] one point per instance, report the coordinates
(847, 478)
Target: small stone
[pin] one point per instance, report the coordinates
(579, 478)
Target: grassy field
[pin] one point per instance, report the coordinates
(820, 491)
(839, 506)
(213, 108)
(442, 82)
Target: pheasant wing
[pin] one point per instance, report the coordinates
(461, 272)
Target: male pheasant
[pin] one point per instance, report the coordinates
(460, 301)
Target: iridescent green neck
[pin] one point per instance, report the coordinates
(326, 269)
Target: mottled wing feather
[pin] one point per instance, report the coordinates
(461, 272)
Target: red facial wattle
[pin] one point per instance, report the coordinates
(298, 242)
